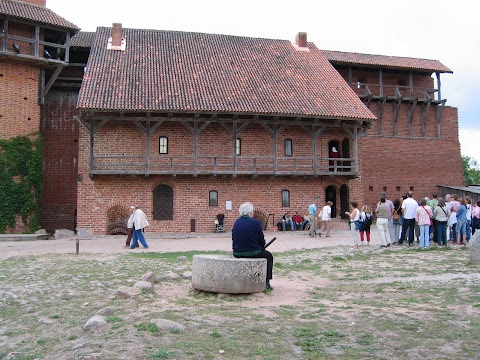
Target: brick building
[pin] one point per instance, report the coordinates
(190, 125)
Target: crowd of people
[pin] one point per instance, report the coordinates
(406, 220)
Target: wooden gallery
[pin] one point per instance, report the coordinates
(191, 125)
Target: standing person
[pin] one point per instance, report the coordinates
(312, 217)
(423, 217)
(442, 213)
(140, 222)
(476, 217)
(131, 210)
(397, 210)
(366, 219)
(383, 212)
(448, 203)
(468, 204)
(454, 204)
(354, 223)
(326, 217)
(390, 219)
(462, 222)
(409, 208)
(433, 204)
(248, 240)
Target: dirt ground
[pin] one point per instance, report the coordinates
(329, 301)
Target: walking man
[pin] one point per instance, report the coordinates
(312, 216)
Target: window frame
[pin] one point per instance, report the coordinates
(285, 142)
(160, 146)
(210, 202)
(285, 203)
(238, 146)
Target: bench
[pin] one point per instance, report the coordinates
(227, 274)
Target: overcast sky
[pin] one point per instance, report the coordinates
(441, 30)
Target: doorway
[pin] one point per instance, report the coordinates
(331, 195)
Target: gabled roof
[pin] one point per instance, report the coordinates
(39, 14)
(384, 61)
(84, 39)
(195, 72)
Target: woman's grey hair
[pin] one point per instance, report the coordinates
(245, 209)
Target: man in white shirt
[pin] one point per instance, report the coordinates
(326, 216)
(409, 209)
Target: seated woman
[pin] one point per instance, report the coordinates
(248, 240)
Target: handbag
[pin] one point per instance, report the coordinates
(431, 222)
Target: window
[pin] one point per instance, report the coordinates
(163, 145)
(163, 203)
(213, 198)
(285, 198)
(238, 147)
(288, 147)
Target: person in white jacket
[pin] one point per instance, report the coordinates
(139, 223)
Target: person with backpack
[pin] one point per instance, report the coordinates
(397, 220)
(442, 214)
(366, 219)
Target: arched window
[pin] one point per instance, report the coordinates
(163, 203)
(213, 198)
(238, 147)
(163, 145)
(285, 198)
(288, 147)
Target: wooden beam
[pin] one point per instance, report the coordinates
(50, 83)
(439, 85)
(82, 122)
(411, 111)
(100, 125)
(5, 35)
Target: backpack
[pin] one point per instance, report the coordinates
(395, 215)
(368, 219)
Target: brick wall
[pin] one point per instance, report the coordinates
(19, 109)
(60, 161)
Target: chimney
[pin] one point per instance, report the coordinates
(36, 2)
(301, 39)
(116, 42)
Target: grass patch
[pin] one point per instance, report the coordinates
(162, 353)
(152, 328)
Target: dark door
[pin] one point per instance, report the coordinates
(331, 195)
(163, 203)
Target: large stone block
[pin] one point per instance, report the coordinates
(474, 244)
(227, 274)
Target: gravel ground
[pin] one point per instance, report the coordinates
(169, 242)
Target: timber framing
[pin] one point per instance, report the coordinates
(223, 165)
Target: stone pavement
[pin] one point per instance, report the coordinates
(171, 242)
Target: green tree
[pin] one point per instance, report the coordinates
(471, 170)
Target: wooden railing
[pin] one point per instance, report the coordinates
(221, 165)
(393, 91)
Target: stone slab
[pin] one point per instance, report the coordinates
(24, 237)
(227, 274)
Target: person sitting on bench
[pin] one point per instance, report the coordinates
(248, 240)
(287, 219)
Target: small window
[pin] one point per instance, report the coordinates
(385, 189)
(213, 198)
(288, 147)
(163, 145)
(398, 188)
(370, 188)
(238, 147)
(285, 198)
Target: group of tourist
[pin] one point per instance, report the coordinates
(441, 220)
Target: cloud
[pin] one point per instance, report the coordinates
(469, 142)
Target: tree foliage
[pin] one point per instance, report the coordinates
(471, 170)
(20, 181)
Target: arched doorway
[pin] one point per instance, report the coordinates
(331, 195)
(346, 154)
(344, 201)
(117, 216)
(333, 152)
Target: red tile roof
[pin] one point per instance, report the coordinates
(386, 61)
(39, 14)
(195, 72)
(83, 39)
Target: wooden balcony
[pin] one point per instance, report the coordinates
(222, 166)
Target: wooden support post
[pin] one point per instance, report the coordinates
(67, 49)
(410, 83)
(411, 111)
(92, 143)
(147, 149)
(439, 84)
(36, 44)
(350, 76)
(5, 35)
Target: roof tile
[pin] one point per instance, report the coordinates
(196, 72)
(35, 13)
(386, 61)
